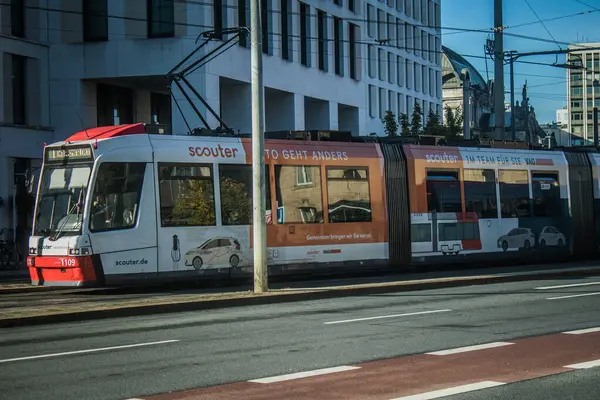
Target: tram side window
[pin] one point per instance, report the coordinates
(420, 233)
(299, 195)
(186, 195)
(348, 195)
(235, 183)
(514, 194)
(116, 197)
(480, 192)
(546, 194)
(443, 191)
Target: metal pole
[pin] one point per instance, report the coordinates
(258, 153)
(595, 126)
(513, 128)
(498, 71)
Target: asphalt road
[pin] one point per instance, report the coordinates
(141, 356)
(577, 385)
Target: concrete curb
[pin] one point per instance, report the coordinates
(285, 296)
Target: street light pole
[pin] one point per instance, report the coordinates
(258, 153)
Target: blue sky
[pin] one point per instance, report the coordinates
(547, 85)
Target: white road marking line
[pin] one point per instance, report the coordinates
(567, 286)
(573, 296)
(469, 348)
(68, 353)
(385, 316)
(582, 331)
(584, 365)
(450, 391)
(306, 374)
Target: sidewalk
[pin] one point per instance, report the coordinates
(53, 306)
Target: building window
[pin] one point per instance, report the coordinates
(514, 194)
(337, 2)
(382, 64)
(322, 39)
(114, 105)
(382, 102)
(408, 38)
(372, 61)
(186, 194)
(286, 28)
(338, 45)
(304, 37)
(401, 69)
(160, 107)
(299, 194)
(19, 88)
(400, 104)
(235, 186)
(352, 5)
(371, 21)
(372, 101)
(17, 18)
(381, 25)
(352, 46)
(417, 75)
(409, 74)
(391, 68)
(546, 194)
(95, 20)
(117, 195)
(265, 11)
(348, 196)
(243, 10)
(218, 13)
(161, 18)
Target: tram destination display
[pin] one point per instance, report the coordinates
(79, 153)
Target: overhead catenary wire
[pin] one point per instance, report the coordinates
(543, 24)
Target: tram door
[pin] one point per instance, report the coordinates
(122, 218)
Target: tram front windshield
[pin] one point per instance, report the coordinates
(61, 199)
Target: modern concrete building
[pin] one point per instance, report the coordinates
(562, 117)
(67, 65)
(583, 89)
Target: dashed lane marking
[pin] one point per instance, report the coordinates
(305, 374)
(573, 296)
(582, 331)
(385, 316)
(567, 286)
(469, 348)
(68, 353)
(451, 391)
(584, 365)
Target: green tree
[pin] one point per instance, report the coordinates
(390, 124)
(416, 120)
(405, 127)
(434, 125)
(453, 122)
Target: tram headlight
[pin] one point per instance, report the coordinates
(32, 251)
